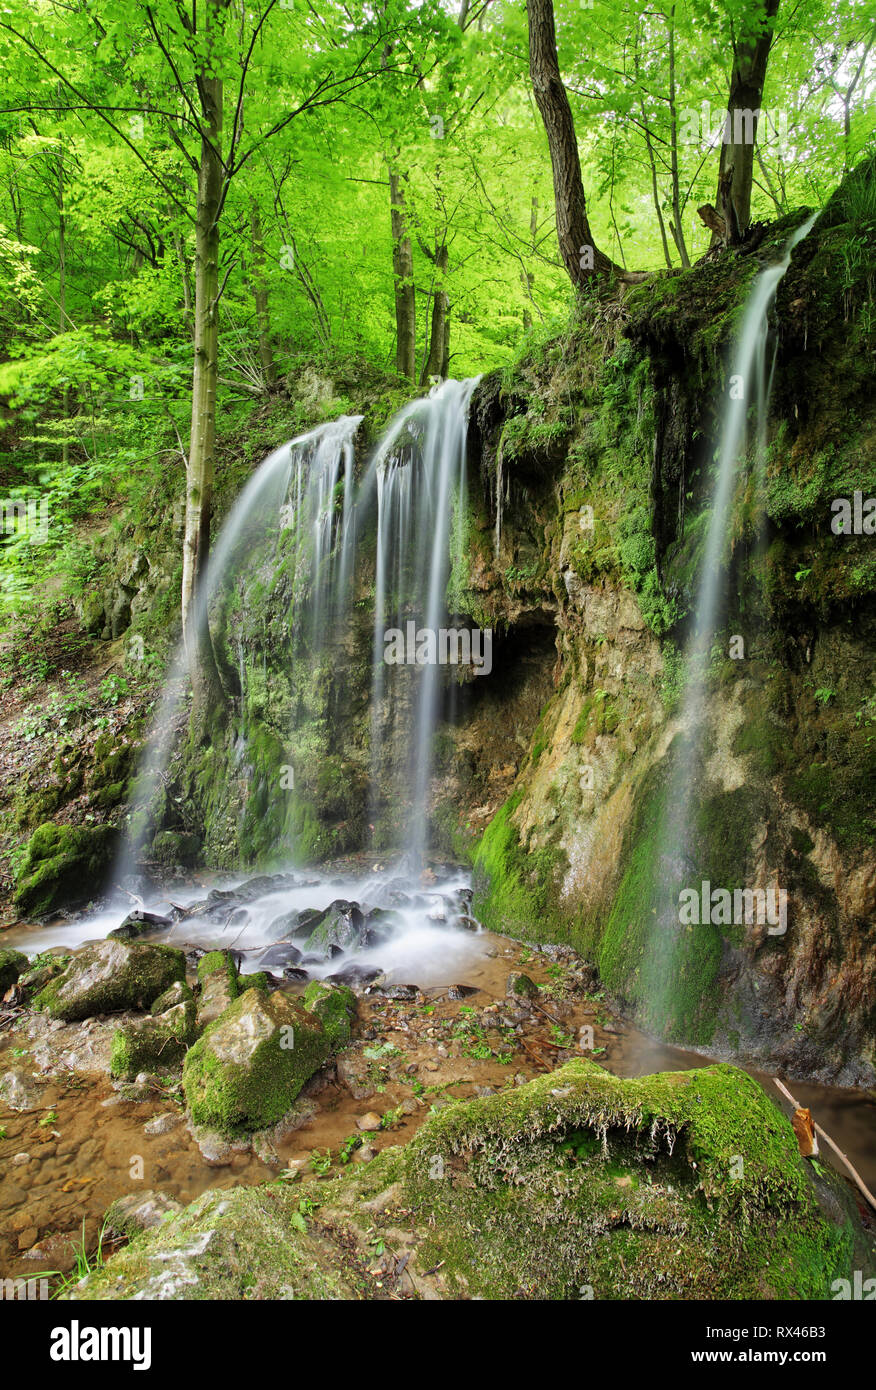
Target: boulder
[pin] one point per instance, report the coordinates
(217, 974)
(335, 1007)
(110, 976)
(175, 847)
(341, 929)
(12, 964)
(158, 1041)
(249, 1066)
(139, 923)
(63, 864)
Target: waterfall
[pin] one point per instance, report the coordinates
(303, 508)
(750, 383)
(419, 476)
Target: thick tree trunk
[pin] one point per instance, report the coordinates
(736, 166)
(260, 292)
(403, 272)
(577, 247)
(199, 468)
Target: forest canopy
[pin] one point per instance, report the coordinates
(213, 194)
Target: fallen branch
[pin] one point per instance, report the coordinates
(827, 1139)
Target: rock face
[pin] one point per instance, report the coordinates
(111, 976)
(247, 1069)
(577, 1185)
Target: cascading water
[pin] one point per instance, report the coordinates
(750, 382)
(419, 475)
(302, 517)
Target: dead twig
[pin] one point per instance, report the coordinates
(837, 1150)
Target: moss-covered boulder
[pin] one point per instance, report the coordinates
(111, 976)
(238, 1244)
(153, 1044)
(63, 864)
(246, 1070)
(12, 964)
(159, 1041)
(335, 1007)
(680, 1185)
(217, 975)
(175, 847)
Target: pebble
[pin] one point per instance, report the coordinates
(163, 1124)
(369, 1122)
(21, 1158)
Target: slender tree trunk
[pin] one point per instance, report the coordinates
(62, 294)
(526, 274)
(438, 358)
(199, 467)
(260, 290)
(403, 271)
(675, 225)
(736, 166)
(577, 247)
(179, 246)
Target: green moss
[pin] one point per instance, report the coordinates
(154, 1043)
(111, 976)
(679, 1185)
(63, 864)
(515, 890)
(335, 1007)
(12, 964)
(246, 1070)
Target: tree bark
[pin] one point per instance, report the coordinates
(260, 292)
(403, 272)
(200, 464)
(438, 359)
(736, 165)
(573, 228)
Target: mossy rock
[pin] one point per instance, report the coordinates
(156, 1043)
(248, 1067)
(63, 864)
(218, 978)
(111, 976)
(679, 1185)
(235, 1244)
(12, 964)
(175, 847)
(335, 1007)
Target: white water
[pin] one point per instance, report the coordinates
(418, 474)
(749, 384)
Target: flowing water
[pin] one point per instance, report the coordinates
(675, 868)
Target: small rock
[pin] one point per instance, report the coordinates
(163, 1124)
(21, 1159)
(369, 1122)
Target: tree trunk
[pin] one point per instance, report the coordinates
(260, 291)
(199, 467)
(403, 271)
(438, 360)
(736, 166)
(573, 229)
